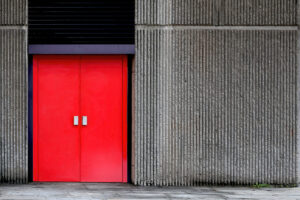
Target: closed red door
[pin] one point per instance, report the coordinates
(94, 90)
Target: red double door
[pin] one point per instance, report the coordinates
(80, 118)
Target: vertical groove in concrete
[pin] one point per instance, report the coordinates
(215, 106)
(297, 148)
(13, 106)
(13, 12)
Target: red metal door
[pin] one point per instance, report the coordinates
(91, 86)
(56, 101)
(102, 104)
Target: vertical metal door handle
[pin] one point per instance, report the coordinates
(84, 120)
(76, 120)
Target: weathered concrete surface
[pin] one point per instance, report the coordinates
(13, 91)
(258, 12)
(214, 104)
(89, 191)
(177, 12)
(216, 12)
(13, 12)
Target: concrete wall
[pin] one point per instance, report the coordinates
(13, 91)
(215, 87)
(214, 92)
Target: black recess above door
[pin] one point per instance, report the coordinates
(81, 21)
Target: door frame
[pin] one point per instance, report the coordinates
(126, 113)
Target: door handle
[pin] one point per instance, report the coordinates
(84, 120)
(76, 120)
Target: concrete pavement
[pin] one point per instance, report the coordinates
(101, 191)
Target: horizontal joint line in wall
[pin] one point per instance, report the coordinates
(11, 27)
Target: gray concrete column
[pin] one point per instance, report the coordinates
(13, 91)
(215, 92)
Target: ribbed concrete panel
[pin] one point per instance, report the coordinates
(258, 12)
(13, 12)
(216, 12)
(215, 106)
(13, 106)
(203, 12)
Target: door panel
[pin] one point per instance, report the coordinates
(101, 102)
(56, 80)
